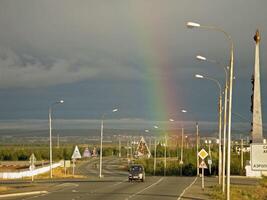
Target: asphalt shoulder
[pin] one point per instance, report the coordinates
(195, 191)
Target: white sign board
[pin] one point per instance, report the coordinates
(209, 161)
(258, 157)
(76, 153)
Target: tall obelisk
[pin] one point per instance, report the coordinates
(257, 116)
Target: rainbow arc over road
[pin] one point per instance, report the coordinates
(159, 73)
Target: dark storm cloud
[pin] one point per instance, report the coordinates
(51, 43)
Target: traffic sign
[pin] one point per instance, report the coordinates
(203, 165)
(202, 154)
(209, 161)
(258, 157)
(76, 153)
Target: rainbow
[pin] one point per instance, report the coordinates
(161, 86)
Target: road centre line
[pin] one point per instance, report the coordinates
(145, 189)
(181, 195)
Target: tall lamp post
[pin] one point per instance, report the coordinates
(229, 38)
(155, 153)
(101, 143)
(197, 141)
(182, 144)
(50, 134)
(202, 58)
(220, 119)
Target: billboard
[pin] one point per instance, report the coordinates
(258, 157)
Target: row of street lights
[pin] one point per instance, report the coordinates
(228, 86)
(220, 119)
(50, 138)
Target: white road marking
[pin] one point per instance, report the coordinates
(23, 194)
(64, 185)
(181, 195)
(144, 189)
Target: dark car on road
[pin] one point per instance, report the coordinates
(136, 172)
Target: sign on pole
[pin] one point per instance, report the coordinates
(76, 153)
(32, 163)
(203, 165)
(202, 154)
(209, 161)
(258, 157)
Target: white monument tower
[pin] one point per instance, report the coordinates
(257, 116)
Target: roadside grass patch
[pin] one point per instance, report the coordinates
(244, 192)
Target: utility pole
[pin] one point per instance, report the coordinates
(58, 141)
(119, 146)
(155, 155)
(197, 140)
(182, 152)
(165, 155)
(242, 156)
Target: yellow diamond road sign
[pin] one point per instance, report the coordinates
(202, 154)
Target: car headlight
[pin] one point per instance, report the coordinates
(140, 175)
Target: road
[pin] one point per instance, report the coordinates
(114, 185)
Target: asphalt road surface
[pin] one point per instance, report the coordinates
(114, 185)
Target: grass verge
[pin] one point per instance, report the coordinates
(244, 192)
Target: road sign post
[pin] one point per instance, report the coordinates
(73, 166)
(203, 166)
(203, 154)
(32, 164)
(76, 155)
(209, 163)
(202, 185)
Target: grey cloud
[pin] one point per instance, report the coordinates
(28, 71)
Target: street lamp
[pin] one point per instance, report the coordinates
(214, 28)
(172, 120)
(220, 119)
(202, 58)
(50, 134)
(182, 143)
(101, 143)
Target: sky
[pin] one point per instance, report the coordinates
(136, 55)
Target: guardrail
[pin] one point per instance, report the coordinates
(27, 173)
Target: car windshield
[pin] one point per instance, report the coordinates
(136, 168)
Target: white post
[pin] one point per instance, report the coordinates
(73, 167)
(182, 152)
(119, 146)
(58, 141)
(155, 156)
(165, 156)
(100, 156)
(203, 186)
(224, 133)
(197, 149)
(65, 169)
(230, 120)
(220, 138)
(50, 141)
(242, 156)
